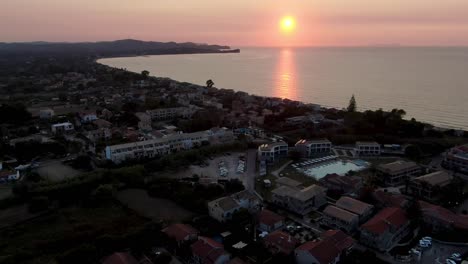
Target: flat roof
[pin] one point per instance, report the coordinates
(398, 166)
(340, 213)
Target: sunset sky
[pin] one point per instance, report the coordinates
(240, 22)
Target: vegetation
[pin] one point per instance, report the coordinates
(352, 107)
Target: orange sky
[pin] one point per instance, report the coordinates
(240, 22)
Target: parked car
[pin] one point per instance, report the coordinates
(449, 261)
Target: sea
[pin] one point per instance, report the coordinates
(429, 83)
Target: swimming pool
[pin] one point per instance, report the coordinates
(340, 167)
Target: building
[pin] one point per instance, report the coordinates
(342, 184)
(329, 249)
(155, 147)
(269, 221)
(144, 121)
(440, 219)
(288, 182)
(341, 219)
(171, 113)
(428, 186)
(46, 113)
(386, 199)
(309, 148)
(397, 173)
(208, 251)
(88, 116)
(279, 242)
(456, 159)
(301, 201)
(98, 134)
(367, 148)
(223, 208)
(62, 128)
(181, 233)
(273, 152)
(361, 209)
(386, 229)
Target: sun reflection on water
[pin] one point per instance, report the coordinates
(286, 75)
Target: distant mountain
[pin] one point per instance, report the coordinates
(125, 47)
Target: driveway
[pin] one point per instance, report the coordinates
(438, 253)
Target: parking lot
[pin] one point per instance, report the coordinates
(438, 252)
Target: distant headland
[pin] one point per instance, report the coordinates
(118, 48)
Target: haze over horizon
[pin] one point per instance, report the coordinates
(240, 23)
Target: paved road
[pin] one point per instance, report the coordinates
(249, 179)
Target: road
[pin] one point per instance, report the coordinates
(250, 175)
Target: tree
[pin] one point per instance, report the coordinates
(209, 83)
(145, 74)
(352, 105)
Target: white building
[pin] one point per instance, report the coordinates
(155, 147)
(367, 148)
(171, 113)
(301, 201)
(46, 113)
(223, 208)
(272, 152)
(62, 127)
(309, 148)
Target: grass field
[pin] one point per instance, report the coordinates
(53, 234)
(155, 208)
(57, 171)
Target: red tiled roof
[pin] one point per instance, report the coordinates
(180, 231)
(342, 240)
(389, 200)
(444, 215)
(281, 242)
(120, 258)
(269, 218)
(207, 250)
(393, 216)
(331, 245)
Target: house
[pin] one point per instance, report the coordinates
(301, 201)
(329, 249)
(273, 152)
(309, 148)
(456, 159)
(342, 184)
(288, 182)
(101, 123)
(120, 258)
(171, 113)
(361, 209)
(208, 251)
(144, 123)
(428, 186)
(440, 219)
(386, 199)
(396, 173)
(98, 134)
(46, 113)
(385, 229)
(221, 135)
(269, 221)
(223, 208)
(62, 128)
(338, 218)
(367, 148)
(88, 116)
(279, 242)
(181, 233)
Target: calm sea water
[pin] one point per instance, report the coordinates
(431, 84)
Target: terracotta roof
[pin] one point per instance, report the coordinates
(120, 258)
(269, 218)
(389, 200)
(444, 215)
(207, 250)
(381, 222)
(180, 231)
(281, 242)
(353, 205)
(329, 247)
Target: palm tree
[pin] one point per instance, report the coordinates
(209, 83)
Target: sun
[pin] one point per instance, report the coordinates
(288, 24)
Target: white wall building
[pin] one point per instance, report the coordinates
(309, 148)
(367, 148)
(62, 127)
(272, 152)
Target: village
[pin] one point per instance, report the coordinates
(227, 177)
